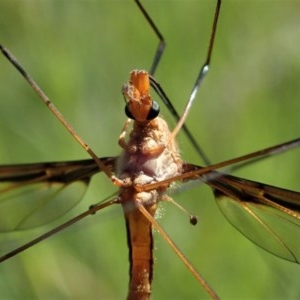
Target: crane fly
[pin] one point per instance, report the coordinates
(249, 199)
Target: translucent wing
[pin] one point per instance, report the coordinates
(269, 216)
(35, 194)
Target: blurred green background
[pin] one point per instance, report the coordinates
(81, 52)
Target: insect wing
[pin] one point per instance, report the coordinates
(266, 215)
(35, 194)
(27, 206)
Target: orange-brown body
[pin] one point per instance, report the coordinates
(147, 157)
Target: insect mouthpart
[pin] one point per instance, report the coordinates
(139, 107)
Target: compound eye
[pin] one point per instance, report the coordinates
(128, 112)
(154, 111)
(152, 114)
